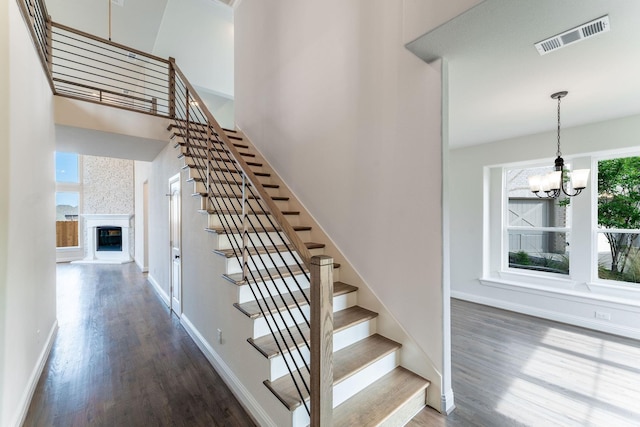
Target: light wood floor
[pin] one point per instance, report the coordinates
(514, 370)
(120, 360)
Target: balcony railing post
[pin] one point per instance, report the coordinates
(172, 88)
(49, 46)
(321, 360)
(209, 163)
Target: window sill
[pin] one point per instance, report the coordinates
(619, 290)
(564, 288)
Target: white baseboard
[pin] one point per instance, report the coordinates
(27, 395)
(230, 379)
(142, 268)
(621, 330)
(163, 295)
(447, 404)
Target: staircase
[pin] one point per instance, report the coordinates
(302, 318)
(370, 387)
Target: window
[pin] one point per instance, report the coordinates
(67, 170)
(67, 200)
(537, 230)
(618, 219)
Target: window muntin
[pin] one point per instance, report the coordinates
(537, 229)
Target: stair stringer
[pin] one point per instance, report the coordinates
(412, 356)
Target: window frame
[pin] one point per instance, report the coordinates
(505, 228)
(70, 253)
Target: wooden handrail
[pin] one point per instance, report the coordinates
(109, 42)
(34, 38)
(288, 230)
(122, 95)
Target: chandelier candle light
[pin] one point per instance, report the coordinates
(553, 183)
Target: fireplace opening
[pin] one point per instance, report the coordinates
(109, 239)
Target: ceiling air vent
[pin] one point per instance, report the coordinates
(573, 35)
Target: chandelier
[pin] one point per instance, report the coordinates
(553, 184)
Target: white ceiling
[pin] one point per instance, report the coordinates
(500, 87)
(134, 23)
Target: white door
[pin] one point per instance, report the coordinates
(176, 261)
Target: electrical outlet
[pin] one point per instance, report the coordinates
(219, 336)
(603, 316)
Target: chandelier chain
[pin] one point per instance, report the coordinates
(559, 153)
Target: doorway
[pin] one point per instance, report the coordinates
(175, 244)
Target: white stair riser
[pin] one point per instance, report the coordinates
(255, 221)
(351, 386)
(278, 366)
(220, 173)
(365, 377)
(236, 203)
(348, 336)
(341, 339)
(281, 321)
(271, 238)
(264, 261)
(272, 287)
(200, 187)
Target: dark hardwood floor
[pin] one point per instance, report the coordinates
(509, 369)
(119, 359)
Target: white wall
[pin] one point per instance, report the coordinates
(29, 318)
(163, 167)
(142, 171)
(573, 303)
(199, 35)
(351, 121)
(5, 108)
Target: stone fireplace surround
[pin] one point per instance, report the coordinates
(91, 221)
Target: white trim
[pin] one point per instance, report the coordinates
(447, 404)
(551, 315)
(566, 294)
(141, 267)
(237, 388)
(161, 293)
(25, 400)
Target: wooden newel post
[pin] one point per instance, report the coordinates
(321, 296)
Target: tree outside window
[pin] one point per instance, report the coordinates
(619, 219)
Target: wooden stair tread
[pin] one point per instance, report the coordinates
(346, 362)
(221, 230)
(341, 320)
(252, 308)
(204, 148)
(280, 272)
(198, 127)
(216, 159)
(229, 253)
(239, 212)
(217, 181)
(239, 196)
(380, 400)
(217, 169)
